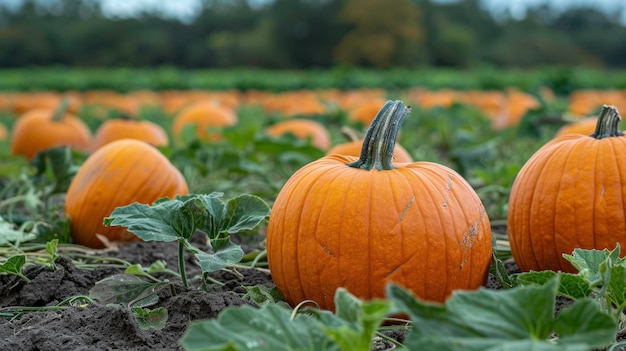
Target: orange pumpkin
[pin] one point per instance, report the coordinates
(569, 195)
(366, 111)
(360, 223)
(38, 130)
(118, 174)
(302, 128)
(4, 133)
(584, 126)
(129, 128)
(204, 116)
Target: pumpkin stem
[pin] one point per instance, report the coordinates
(380, 139)
(59, 113)
(608, 122)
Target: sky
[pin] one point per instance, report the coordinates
(186, 9)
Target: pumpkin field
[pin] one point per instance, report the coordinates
(337, 209)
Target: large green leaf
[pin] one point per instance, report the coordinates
(272, 327)
(150, 223)
(218, 259)
(520, 318)
(573, 286)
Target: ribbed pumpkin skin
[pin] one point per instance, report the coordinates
(116, 129)
(420, 225)
(118, 174)
(569, 194)
(35, 131)
(353, 148)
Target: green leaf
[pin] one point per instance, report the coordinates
(13, 265)
(271, 327)
(617, 286)
(262, 295)
(150, 223)
(8, 233)
(588, 262)
(363, 319)
(520, 318)
(125, 289)
(51, 249)
(218, 259)
(147, 318)
(248, 328)
(573, 286)
(244, 212)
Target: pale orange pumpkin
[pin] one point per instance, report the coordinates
(360, 223)
(205, 118)
(129, 128)
(118, 174)
(38, 130)
(302, 128)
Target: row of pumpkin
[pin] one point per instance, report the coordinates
(211, 110)
(416, 221)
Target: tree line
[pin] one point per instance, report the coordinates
(310, 34)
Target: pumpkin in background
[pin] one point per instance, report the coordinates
(129, 128)
(366, 111)
(362, 222)
(4, 132)
(204, 117)
(118, 174)
(38, 130)
(584, 126)
(570, 194)
(354, 146)
(302, 129)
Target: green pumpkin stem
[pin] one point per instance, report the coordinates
(380, 139)
(59, 113)
(608, 122)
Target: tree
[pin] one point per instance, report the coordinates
(383, 33)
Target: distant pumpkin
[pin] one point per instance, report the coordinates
(129, 128)
(302, 128)
(41, 129)
(118, 174)
(204, 118)
(584, 126)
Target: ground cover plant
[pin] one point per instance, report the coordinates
(199, 278)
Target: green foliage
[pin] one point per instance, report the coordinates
(178, 219)
(520, 318)
(146, 318)
(601, 276)
(273, 327)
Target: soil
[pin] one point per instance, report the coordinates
(112, 327)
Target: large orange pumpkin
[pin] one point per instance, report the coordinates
(118, 174)
(570, 194)
(204, 116)
(302, 128)
(38, 130)
(360, 223)
(129, 128)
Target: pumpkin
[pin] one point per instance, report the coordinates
(362, 222)
(4, 132)
(569, 195)
(584, 126)
(117, 174)
(366, 111)
(302, 129)
(41, 129)
(204, 116)
(353, 148)
(129, 128)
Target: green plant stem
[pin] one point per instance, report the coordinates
(181, 264)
